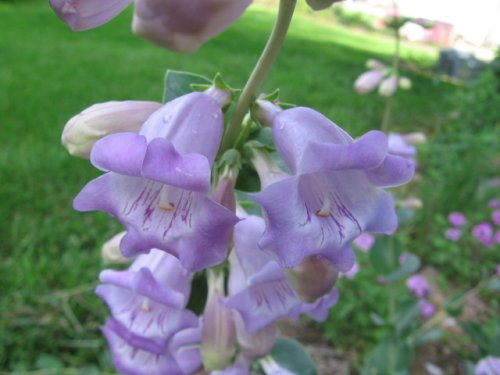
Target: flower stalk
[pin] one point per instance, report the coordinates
(260, 71)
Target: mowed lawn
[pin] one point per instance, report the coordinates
(50, 255)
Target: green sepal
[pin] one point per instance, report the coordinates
(178, 83)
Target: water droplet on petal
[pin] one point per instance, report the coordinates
(167, 118)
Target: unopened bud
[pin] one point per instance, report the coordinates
(111, 253)
(405, 83)
(411, 203)
(267, 168)
(367, 81)
(99, 120)
(218, 345)
(388, 86)
(223, 95)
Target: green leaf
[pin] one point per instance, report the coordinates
(291, 355)
(389, 357)
(410, 265)
(384, 255)
(49, 362)
(494, 284)
(432, 335)
(406, 317)
(454, 305)
(179, 83)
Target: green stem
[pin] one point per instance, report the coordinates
(262, 68)
(395, 68)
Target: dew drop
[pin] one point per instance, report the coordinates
(167, 118)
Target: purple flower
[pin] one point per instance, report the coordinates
(148, 300)
(495, 216)
(258, 287)
(364, 242)
(388, 86)
(497, 236)
(426, 308)
(258, 344)
(488, 366)
(334, 194)
(179, 25)
(453, 234)
(457, 219)
(484, 233)
(158, 183)
(418, 285)
(150, 329)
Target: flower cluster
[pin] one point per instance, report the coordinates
(168, 179)
(380, 76)
(180, 220)
(484, 231)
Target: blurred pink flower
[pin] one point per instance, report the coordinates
(457, 219)
(494, 204)
(426, 308)
(453, 234)
(484, 233)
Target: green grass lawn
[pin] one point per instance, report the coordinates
(50, 254)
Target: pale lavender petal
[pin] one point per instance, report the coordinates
(393, 171)
(184, 25)
(258, 344)
(364, 242)
(183, 223)
(241, 366)
(400, 147)
(87, 14)
(132, 360)
(418, 285)
(367, 81)
(426, 308)
(453, 234)
(488, 366)
(122, 153)
(163, 163)
(367, 152)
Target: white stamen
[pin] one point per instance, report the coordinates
(145, 305)
(164, 202)
(325, 209)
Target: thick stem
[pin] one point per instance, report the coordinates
(262, 68)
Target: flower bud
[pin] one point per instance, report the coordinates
(265, 111)
(313, 278)
(218, 345)
(99, 120)
(321, 4)
(388, 86)
(405, 83)
(111, 253)
(181, 25)
(258, 344)
(412, 203)
(367, 81)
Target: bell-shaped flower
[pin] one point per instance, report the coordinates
(158, 182)
(83, 130)
(367, 81)
(488, 366)
(132, 355)
(148, 300)
(334, 192)
(218, 345)
(179, 25)
(258, 287)
(184, 25)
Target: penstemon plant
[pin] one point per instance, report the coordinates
(214, 269)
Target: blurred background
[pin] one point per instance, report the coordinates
(50, 254)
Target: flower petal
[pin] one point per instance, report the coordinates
(394, 171)
(87, 14)
(366, 153)
(121, 152)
